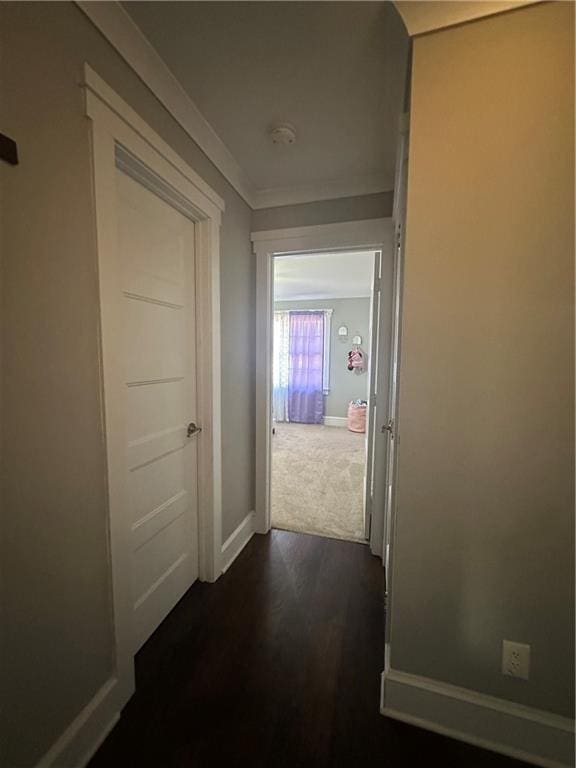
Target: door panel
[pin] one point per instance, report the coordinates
(149, 409)
(155, 556)
(155, 339)
(161, 481)
(156, 250)
(152, 447)
(158, 518)
(154, 263)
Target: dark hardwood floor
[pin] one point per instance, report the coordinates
(277, 664)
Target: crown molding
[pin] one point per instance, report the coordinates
(322, 190)
(136, 50)
(421, 18)
(97, 87)
(134, 47)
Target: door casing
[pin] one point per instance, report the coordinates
(371, 234)
(120, 138)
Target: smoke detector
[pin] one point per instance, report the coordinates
(283, 134)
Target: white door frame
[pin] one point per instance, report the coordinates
(373, 234)
(120, 138)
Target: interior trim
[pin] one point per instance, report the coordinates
(422, 18)
(335, 421)
(237, 540)
(114, 124)
(126, 37)
(79, 742)
(524, 733)
(322, 190)
(374, 234)
(95, 85)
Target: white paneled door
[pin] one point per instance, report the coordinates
(157, 272)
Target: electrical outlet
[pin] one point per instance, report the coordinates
(516, 659)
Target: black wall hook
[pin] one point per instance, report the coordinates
(8, 150)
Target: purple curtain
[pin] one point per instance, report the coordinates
(306, 359)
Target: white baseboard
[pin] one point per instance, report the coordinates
(237, 540)
(524, 733)
(335, 421)
(86, 732)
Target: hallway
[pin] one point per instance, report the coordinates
(277, 664)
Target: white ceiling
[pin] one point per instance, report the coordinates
(340, 275)
(335, 70)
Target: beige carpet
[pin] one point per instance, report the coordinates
(318, 480)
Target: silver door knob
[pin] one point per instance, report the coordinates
(192, 429)
(388, 427)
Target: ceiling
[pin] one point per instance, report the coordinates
(341, 275)
(334, 70)
(226, 71)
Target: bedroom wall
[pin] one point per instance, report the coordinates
(345, 385)
(57, 628)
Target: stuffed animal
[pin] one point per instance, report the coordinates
(356, 360)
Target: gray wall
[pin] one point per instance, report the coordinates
(345, 385)
(324, 212)
(484, 541)
(57, 645)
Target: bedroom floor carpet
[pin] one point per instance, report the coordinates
(318, 480)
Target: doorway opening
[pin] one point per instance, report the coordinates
(320, 390)
(317, 243)
(306, 406)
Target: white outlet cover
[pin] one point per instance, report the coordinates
(516, 659)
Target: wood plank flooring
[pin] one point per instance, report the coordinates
(277, 664)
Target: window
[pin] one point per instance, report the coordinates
(301, 364)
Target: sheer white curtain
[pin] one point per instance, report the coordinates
(280, 366)
(327, 339)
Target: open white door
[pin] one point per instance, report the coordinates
(371, 413)
(378, 400)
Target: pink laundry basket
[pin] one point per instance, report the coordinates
(356, 417)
